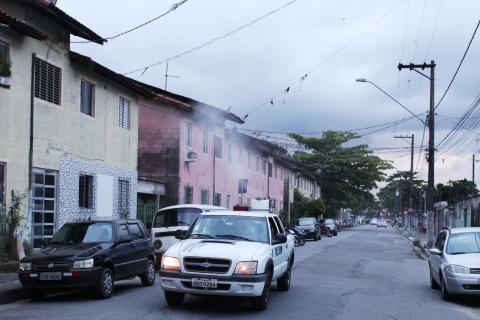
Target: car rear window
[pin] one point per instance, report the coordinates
(306, 222)
(175, 217)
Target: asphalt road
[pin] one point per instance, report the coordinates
(363, 273)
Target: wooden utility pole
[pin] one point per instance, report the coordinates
(431, 142)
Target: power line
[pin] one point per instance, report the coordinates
(326, 59)
(172, 8)
(207, 43)
(421, 145)
(459, 65)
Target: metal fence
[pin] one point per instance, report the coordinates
(145, 211)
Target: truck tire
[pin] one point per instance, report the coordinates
(283, 283)
(261, 303)
(35, 295)
(174, 299)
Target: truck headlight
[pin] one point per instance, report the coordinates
(83, 264)
(25, 266)
(246, 267)
(170, 263)
(452, 268)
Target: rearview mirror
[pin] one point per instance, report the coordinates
(435, 251)
(180, 234)
(281, 238)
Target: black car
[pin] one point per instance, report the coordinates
(90, 254)
(311, 228)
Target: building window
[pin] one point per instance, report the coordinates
(250, 160)
(87, 97)
(264, 167)
(258, 164)
(43, 205)
(275, 175)
(85, 189)
(188, 134)
(2, 184)
(188, 195)
(205, 141)
(240, 156)
(4, 60)
(229, 151)
(124, 113)
(205, 197)
(217, 199)
(218, 146)
(48, 82)
(123, 196)
(228, 202)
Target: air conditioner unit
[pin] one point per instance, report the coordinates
(190, 156)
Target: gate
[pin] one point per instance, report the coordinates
(146, 208)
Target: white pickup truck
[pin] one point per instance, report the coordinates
(229, 253)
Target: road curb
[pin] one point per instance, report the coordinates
(416, 246)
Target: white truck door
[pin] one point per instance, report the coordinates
(277, 250)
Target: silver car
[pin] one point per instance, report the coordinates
(454, 262)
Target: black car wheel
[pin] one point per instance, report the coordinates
(335, 233)
(104, 285)
(445, 294)
(316, 236)
(35, 295)
(433, 283)
(261, 303)
(148, 278)
(174, 298)
(283, 283)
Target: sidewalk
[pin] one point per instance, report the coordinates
(10, 288)
(415, 237)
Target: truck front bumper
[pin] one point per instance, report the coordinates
(237, 285)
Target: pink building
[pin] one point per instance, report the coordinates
(184, 144)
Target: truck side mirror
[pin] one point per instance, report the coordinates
(281, 238)
(180, 234)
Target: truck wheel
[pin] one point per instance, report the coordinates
(174, 299)
(283, 283)
(104, 285)
(148, 277)
(261, 303)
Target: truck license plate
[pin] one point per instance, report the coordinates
(204, 283)
(50, 276)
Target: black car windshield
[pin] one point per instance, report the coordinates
(462, 243)
(74, 233)
(230, 227)
(175, 217)
(306, 222)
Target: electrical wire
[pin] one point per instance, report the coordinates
(212, 41)
(459, 65)
(172, 8)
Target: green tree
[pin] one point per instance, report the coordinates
(456, 190)
(400, 182)
(304, 207)
(347, 173)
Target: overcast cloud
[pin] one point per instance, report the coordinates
(255, 64)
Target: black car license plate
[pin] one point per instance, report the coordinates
(50, 276)
(204, 283)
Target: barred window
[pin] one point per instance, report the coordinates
(188, 195)
(124, 113)
(205, 140)
(205, 196)
(85, 188)
(48, 81)
(123, 196)
(217, 199)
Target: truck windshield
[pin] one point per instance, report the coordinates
(175, 217)
(75, 233)
(240, 228)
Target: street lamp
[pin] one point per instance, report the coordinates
(363, 80)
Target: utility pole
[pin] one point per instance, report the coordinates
(410, 186)
(431, 143)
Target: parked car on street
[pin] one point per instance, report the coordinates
(170, 219)
(374, 222)
(330, 223)
(382, 223)
(90, 254)
(311, 228)
(229, 253)
(454, 262)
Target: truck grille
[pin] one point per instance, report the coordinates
(206, 265)
(52, 266)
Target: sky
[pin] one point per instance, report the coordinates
(297, 67)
